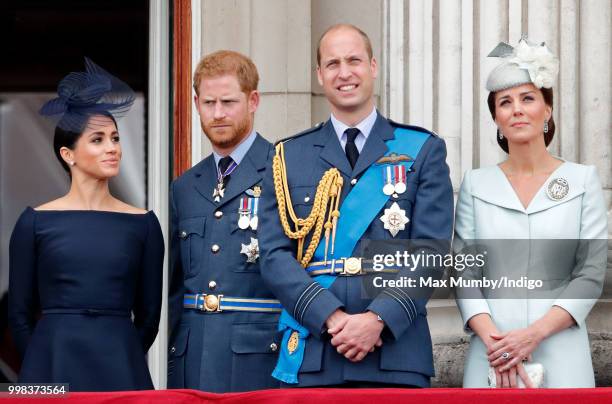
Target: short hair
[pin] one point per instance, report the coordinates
(366, 39)
(547, 93)
(224, 62)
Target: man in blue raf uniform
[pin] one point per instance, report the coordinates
(222, 317)
(358, 176)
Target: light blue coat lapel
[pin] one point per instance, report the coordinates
(492, 186)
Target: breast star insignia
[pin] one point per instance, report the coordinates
(250, 250)
(394, 219)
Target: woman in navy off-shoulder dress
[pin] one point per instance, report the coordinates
(86, 269)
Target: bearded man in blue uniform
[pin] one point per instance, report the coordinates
(222, 317)
(358, 176)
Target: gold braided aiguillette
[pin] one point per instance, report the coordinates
(326, 203)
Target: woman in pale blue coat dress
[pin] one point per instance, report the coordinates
(532, 195)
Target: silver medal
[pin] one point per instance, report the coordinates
(400, 187)
(557, 189)
(394, 219)
(254, 222)
(388, 189)
(250, 250)
(243, 221)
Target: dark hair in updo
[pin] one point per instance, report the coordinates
(548, 136)
(68, 138)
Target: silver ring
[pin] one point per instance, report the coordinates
(505, 356)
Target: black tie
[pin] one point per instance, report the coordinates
(352, 153)
(224, 163)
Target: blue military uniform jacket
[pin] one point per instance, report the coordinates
(406, 354)
(226, 351)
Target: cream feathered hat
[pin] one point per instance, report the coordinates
(525, 63)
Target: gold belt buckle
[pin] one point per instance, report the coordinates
(352, 266)
(212, 303)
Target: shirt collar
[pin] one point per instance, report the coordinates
(365, 126)
(240, 151)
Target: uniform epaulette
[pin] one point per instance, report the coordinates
(412, 127)
(307, 131)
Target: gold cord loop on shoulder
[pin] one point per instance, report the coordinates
(326, 203)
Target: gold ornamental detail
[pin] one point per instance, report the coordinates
(294, 342)
(324, 213)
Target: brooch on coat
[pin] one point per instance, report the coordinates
(557, 189)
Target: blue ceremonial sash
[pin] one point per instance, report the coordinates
(357, 212)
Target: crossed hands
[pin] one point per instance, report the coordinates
(506, 353)
(354, 335)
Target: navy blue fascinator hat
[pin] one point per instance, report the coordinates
(82, 95)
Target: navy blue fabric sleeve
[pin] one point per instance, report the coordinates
(432, 218)
(176, 286)
(23, 289)
(308, 302)
(147, 306)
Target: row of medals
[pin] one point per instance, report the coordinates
(394, 180)
(247, 210)
(394, 177)
(247, 217)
